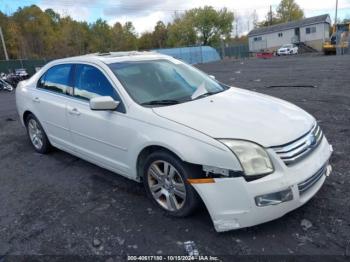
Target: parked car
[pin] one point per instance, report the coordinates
(188, 138)
(289, 49)
(22, 73)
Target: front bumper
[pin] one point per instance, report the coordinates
(284, 52)
(231, 201)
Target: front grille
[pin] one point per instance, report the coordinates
(294, 151)
(308, 183)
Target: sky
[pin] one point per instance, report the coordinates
(145, 13)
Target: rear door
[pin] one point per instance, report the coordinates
(102, 137)
(49, 103)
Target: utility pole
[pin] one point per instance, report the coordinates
(3, 44)
(270, 16)
(336, 12)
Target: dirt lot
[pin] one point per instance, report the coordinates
(59, 204)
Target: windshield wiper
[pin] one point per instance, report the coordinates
(161, 102)
(207, 94)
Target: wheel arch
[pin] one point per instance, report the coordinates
(24, 118)
(149, 149)
(25, 115)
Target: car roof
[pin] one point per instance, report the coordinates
(114, 57)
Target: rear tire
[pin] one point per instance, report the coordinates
(37, 135)
(165, 180)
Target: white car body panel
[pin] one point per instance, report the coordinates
(236, 113)
(288, 51)
(228, 214)
(114, 140)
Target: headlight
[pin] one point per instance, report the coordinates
(254, 159)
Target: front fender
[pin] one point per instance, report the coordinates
(189, 145)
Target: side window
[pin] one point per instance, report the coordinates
(310, 30)
(56, 79)
(258, 38)
(91, 82)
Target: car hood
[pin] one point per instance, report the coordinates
(283, 49)
(242, 114)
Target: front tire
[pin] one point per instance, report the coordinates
(37, 135)
(165, 180)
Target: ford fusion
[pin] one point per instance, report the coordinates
(250, 158)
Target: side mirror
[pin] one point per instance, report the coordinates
(103, 103)
(212, 76)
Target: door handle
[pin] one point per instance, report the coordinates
(74, 111)
(36, 99)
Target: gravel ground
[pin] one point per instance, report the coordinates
(58, 204)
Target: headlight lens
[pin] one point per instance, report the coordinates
(254, 159)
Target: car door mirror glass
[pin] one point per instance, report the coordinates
(103, 103)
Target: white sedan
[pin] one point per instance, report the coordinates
(289, 49)
(248, 157)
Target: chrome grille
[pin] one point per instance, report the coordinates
(308, 183)
(294, 151)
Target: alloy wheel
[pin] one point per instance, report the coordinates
(166, 185)
(35, 134)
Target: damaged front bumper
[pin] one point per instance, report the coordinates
(232, 202)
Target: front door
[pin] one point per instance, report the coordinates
(101, 137)
(297, 35)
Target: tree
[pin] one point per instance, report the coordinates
(101, 36)
(211, 24)
(117, 34)
(129, 40)
(13, 39)
(146, 41)
(288, 11)
(181, 32)
(255, 19)
(36, 32)
(33, 33)
(55, 17)
(160, 35)
(270, 19)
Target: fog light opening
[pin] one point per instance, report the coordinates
(274, 198)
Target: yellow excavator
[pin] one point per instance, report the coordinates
(340, 31)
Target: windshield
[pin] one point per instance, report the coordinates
(164, 82)
(287, 46)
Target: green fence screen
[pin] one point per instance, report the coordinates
(10, 65)
(235, 51)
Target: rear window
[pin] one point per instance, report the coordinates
(57, 79)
